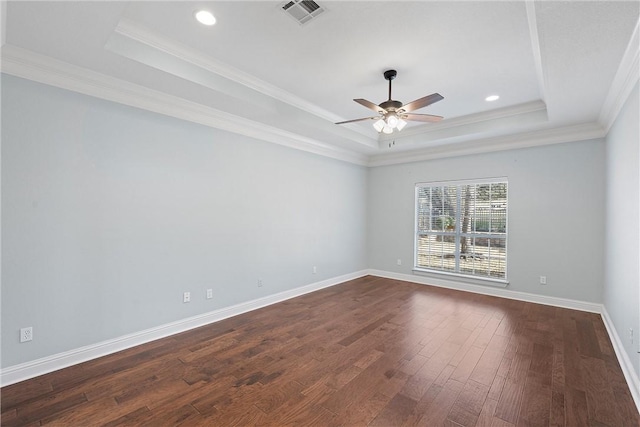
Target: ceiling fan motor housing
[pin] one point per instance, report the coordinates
(391, 105)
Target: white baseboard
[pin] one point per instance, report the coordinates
(628, 370)
(623, 358)
(27, 370)
(493, 291)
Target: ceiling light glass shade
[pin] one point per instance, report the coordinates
(401, 124)
(379, 125)
(392, 121)
(387, 130)
(492, 98)
(205, 17)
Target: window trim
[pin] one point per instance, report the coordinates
(467, 278)
(503, 282)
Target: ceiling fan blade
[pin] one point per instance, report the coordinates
(422, 117)
(370, 105)
(421, 103)
(357, 120)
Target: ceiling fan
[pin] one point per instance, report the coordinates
(392, 114)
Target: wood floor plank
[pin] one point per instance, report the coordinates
(496, 387)
(472, 397)
(367, 359)
(467, 364)
(184, 415)
(587, 339)
(22, 393)
(485, 419)
(466, 346)
(576, 411)
(469, 404)
(444, 376)
(395, 412)
(542, 361)
(371, 351)
(510, 399)
(487, 333)
(92, 413)
(536, 401)
(420, 382)
(37, 410)
(601, 402)
(133, 418)
(441, 405)
(486, 368)
(410, 367)
(366, 383)
(365, 330)
(556, 414)
(363, 413)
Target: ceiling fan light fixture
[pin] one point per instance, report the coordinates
(387, 130)
(401, 124)
(205, 17)
(379, 125)
(392, 121)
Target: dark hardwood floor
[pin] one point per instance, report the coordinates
(368, 352)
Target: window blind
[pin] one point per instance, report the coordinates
(461, 227)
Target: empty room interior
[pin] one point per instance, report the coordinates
(331, 213)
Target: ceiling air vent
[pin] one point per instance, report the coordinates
(302, 11)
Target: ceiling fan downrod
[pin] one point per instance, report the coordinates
(390, 75)
(390, 105)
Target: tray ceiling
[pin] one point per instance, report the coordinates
(554, 65)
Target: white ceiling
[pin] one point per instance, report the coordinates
(259, 72)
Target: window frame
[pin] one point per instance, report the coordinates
(500, 281)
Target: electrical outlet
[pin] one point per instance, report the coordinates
(259, 283)
(186, 297)
(543, 280)
(315, 270)
(26, 334)
(209, 293)
(399, 261)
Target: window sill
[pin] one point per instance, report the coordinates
(502, 283)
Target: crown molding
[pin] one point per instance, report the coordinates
(132, 30)
(534, 138)
(623, 83)
(535, 45)
(3, 22)
(43, 69)
(484, 116)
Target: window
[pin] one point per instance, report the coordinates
(461, 228)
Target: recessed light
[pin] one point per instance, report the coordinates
(205, 17)
(492, 98)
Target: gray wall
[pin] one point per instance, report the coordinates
(622, 278)
(556, 214)
(109, 213)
